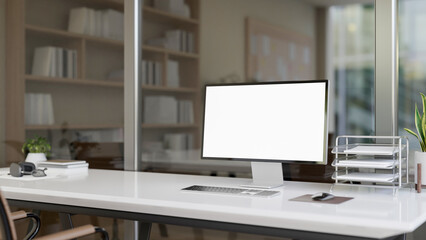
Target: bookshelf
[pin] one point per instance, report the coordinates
(156, 24)
(91, 101)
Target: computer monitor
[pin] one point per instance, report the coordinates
(267, 123)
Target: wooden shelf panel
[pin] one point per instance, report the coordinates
(75, 81)
(165, 126)
(168, 89)
(169, 52)
(168, 18)
(66, 34)
(73, 126)
(100, 83)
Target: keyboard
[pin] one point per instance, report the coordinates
(232, 191)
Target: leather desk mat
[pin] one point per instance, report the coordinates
(308, 198)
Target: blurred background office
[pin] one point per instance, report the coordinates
(62, 72)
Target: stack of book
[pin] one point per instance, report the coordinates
(177, 40)
(39, 109)
(177, 7)
(178, 141)
(185, 112)
(52, 61)
(64, 166)
(167, 110)
(101, 23)
(152, 73)
(160, 110)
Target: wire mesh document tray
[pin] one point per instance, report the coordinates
(371, 160)
(232, 191)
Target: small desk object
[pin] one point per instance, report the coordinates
(373, 213)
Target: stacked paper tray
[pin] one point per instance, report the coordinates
(366, 163)
(362, 149)
(367, 177)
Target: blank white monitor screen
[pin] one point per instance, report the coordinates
(278, 121)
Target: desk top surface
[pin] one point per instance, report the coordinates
(374, 212)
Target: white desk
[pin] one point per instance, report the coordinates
(154, 197)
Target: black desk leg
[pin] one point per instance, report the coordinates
(144, 230)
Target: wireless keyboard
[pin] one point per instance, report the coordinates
(232, 191)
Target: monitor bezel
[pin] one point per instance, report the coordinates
(326, 113)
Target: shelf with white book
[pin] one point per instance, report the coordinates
(172, 90)
(163, 17)
(73, 126)
(170, 52)
(76, 81)
(80, 86)
(49, 32)
(168, 126)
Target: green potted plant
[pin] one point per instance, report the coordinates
(420, 122)
(36, 149)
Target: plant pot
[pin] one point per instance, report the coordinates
(35, 158)
(420, 157)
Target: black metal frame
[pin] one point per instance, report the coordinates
(35, 227)
(6, 224)
(145, 221)
(103, 232)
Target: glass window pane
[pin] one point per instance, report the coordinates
(214, 41)
(352, 67)
(412, 62)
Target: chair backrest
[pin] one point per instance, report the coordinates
(6, 223)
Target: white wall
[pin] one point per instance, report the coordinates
(223, 30)
(2, 80)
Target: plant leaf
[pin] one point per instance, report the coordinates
(418, 121)
(422, 145)
(424, 102)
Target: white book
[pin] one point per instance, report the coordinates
(79, 17)
(172, 73)
(33, 109)
(160, 110)
(98, 23)
(144, 82)
(49, 109)
(157, 73)
(39, 109)
(190, 42)
(29, 108)
(189, 109)
(105, 24)
(42, 61)
(190, 141)
(74, 64)
(52, 69)
(150, 72)
(65, 63)
(183, 40)
(173, 39)
(92, 22)
(113, 24)
(63, 162)
(70, 63)
(175, 141)
(59, 62)
(158, 42)
(43, 114)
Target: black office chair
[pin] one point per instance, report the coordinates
(8, 232)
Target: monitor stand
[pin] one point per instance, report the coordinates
(266, 175)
